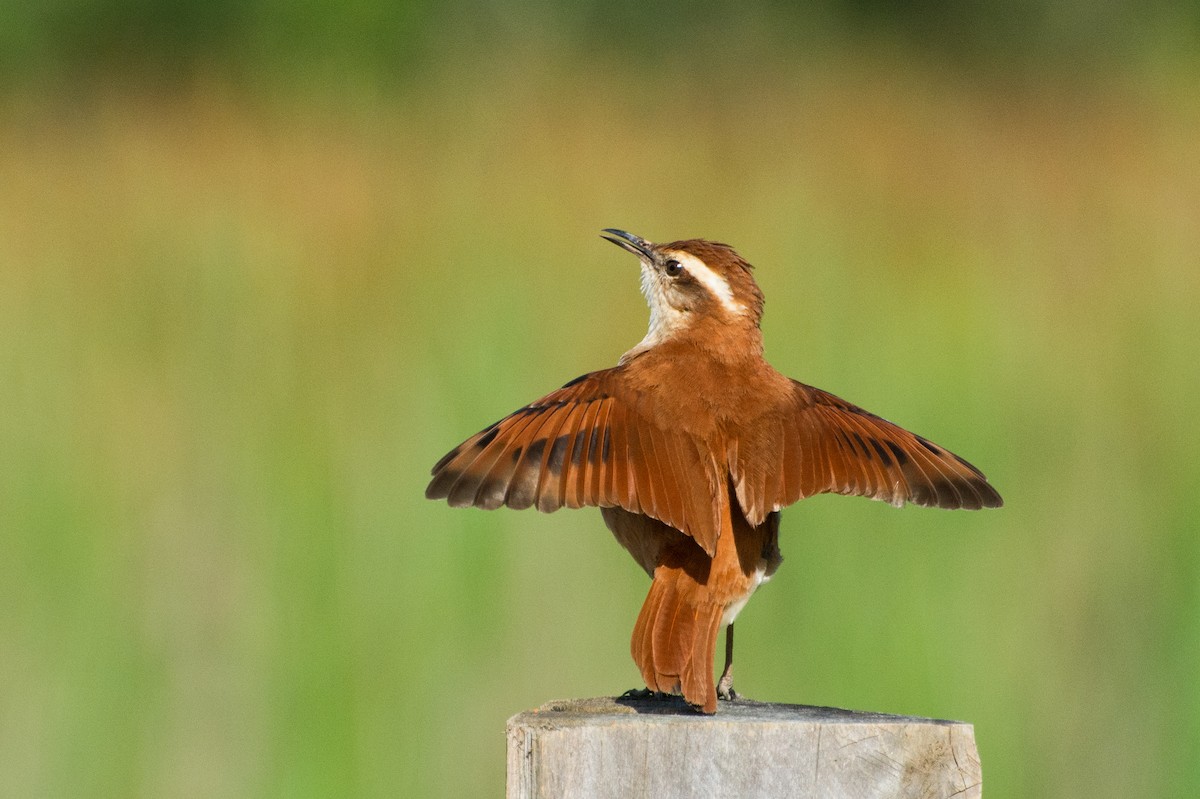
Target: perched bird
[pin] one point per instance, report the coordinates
(690, 446)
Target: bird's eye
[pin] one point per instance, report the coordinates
(672, 267)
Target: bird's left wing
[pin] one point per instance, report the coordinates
(592, 442)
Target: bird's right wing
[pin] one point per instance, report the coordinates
(592, 442)
(822, 444)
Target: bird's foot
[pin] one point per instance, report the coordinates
(725, 688)
(643, 693)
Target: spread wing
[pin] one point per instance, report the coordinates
(823, 444)
(592, 442)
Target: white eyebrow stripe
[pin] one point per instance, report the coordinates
(716, 285)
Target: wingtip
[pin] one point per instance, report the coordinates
(989, 497)
(439, 487)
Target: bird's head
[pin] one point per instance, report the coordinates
(691, 284)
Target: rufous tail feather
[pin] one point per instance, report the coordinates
(675, 637)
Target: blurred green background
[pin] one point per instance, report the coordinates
(262, 263)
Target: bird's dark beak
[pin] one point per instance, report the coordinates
(627, 241)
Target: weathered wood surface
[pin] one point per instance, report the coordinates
(659, 748)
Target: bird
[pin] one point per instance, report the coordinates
(690, 446)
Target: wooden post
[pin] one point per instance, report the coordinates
(659, 748)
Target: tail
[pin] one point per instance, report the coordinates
(675, 637)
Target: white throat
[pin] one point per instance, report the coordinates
(666, 320)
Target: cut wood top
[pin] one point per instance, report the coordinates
(659, 747)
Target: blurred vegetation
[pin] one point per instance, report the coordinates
(262, 264)
(390, 42)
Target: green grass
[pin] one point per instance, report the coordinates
(234, 335)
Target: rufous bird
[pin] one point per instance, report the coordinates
(690, 446)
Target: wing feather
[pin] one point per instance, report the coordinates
(673, 478)
(566, 487)
(483, 481)
(666, 502)
(593, 442)
(550, 483)
(530, 453)
(596, 466)
(859, 436)
(621, 489)
(640, 479)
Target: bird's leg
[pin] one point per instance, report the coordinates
(725, 686)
